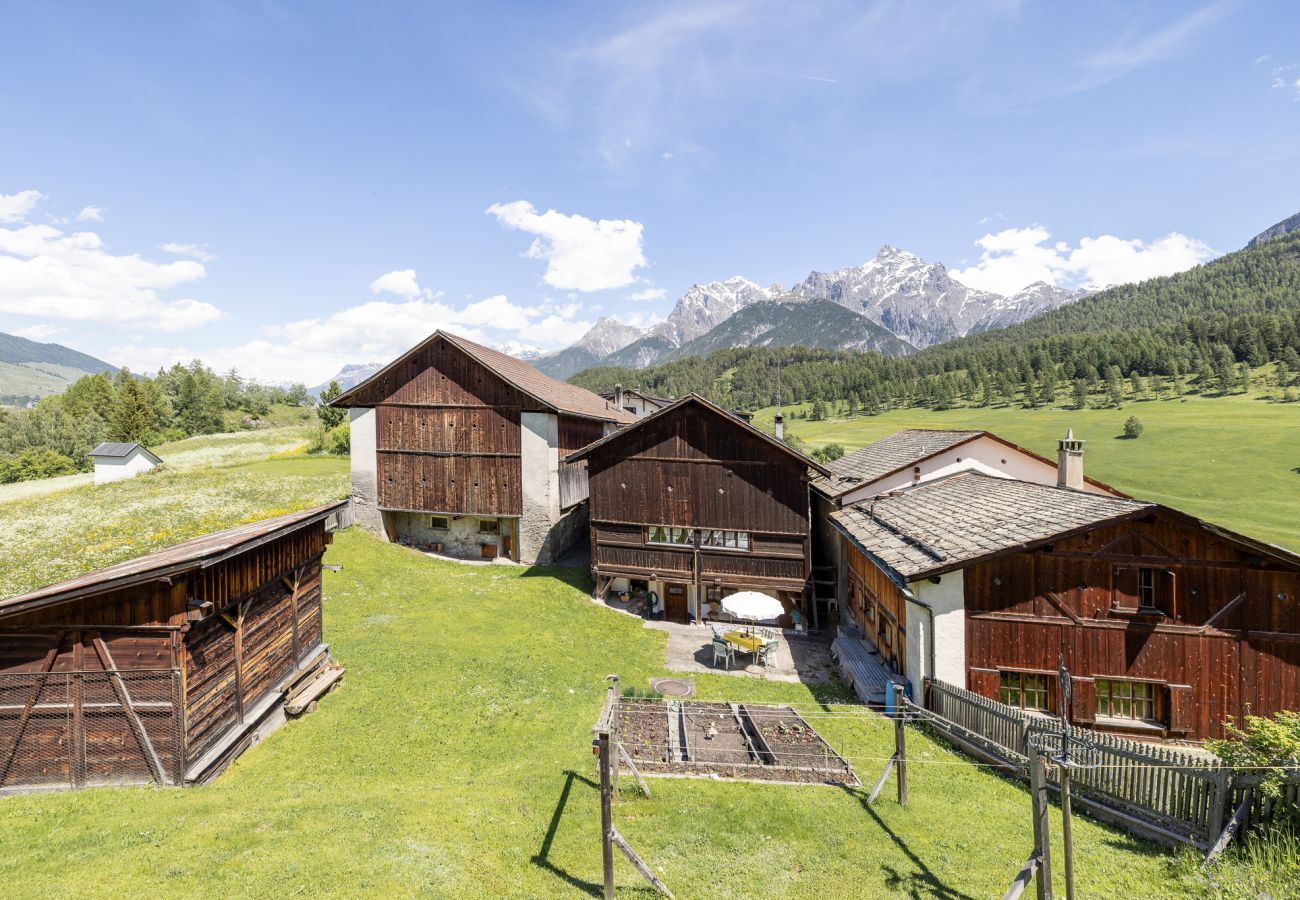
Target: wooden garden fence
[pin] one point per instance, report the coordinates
(1164, 793)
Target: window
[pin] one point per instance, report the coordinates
(1147, 588)
(666, 534)
(1025, 690)
(726, 540)
(439, 523)
(631, 409)
(1126, 699)
(487, 526)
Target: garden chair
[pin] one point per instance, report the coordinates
(724, 651)
(717, 632)
(767, 651)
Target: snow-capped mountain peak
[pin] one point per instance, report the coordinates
(608, 335)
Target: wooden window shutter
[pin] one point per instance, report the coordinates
(1181, 710)
(1083, 701)
(1125, 595)
(984, 682)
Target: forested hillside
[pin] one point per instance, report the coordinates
(1201, 329)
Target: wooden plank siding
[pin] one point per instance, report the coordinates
(1228, 643)
(447, 435)
(575, 433)
(129, 682)
(693, 468)
(878, 606)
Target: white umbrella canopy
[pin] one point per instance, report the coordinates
(752, 606)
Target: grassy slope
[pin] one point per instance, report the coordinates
(455, 760)
(1231, 460)
(48, 538)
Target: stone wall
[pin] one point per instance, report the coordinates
(365, 464)
(461, 537)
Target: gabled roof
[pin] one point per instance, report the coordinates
(661, 401)
(559, 396)
(910, 447)
(948, 523)
(199, 552)
(114, 450)
(697, 400)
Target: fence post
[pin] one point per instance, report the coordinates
(1042, 836)
(613, 728)
(606, 814)
(1218, 802)
(900, 744)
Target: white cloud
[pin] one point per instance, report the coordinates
(1131, 53)
(91, 214)
(648, 294)
(377, 330)
(50, 273)
(15, 207)
(401, 282)
(193, 251)
(581, 254)
(37, 332)
(1016, 257)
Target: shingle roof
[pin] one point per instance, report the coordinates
(945, 524)
(888, 455)
(565, 398)
(170, 560)
(117, 450)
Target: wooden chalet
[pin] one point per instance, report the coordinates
(1169, 625)
(694, 503)
(456, 448)
(638, 403)
(164, 668)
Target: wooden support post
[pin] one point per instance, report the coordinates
(637, 861)
(636, 773)
(613, 726)
(1022, 879)
(124, 697)
(1067, 832)
(46, 665)
(606, 814)
(1042, 835)
(1231, 829)
(884, 776)
(900, 744)
(1218, 801)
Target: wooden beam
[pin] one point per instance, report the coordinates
(124, 697)
(1229, 830)
(1057, 602)
(46, 665)
(1227, 608)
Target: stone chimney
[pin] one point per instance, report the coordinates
(780, 427)
(618, 396)
(1069, 462)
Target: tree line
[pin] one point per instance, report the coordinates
(1202, 330)
(55, 436)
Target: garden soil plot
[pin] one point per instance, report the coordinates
(728, 740)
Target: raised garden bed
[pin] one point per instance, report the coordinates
(727, 740)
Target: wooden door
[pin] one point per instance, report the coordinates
(675, 602)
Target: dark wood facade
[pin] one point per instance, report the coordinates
(1206, 627)
(693, 466)
(878, 607)
(155, 680)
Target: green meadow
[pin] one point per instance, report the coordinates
(1234, 460)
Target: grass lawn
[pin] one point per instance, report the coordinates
(59, 535)
(455, 760)
(1234, 461)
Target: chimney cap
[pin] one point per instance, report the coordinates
(1070, 442)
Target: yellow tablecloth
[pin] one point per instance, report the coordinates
(749, 642)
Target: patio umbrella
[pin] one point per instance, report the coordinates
(752, 606)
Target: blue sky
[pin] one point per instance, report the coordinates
(287, 187)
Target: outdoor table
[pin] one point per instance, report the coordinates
(750, 643)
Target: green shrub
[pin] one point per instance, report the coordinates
(32, 464)
(336, 441)
(1133, 428)
(1271, 746)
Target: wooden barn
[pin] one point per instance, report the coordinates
(638, 403)
(1168, 624)
(694, 503)
(162, 669)
(456, 448)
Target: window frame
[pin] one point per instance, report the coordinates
(1147, 590)
(493, 531)
(1114, 706)
(741, 541)
(445, 520)
(668, 536)
(1020, 690)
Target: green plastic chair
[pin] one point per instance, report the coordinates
(723, 650)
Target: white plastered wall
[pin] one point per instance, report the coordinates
(365, 480)
(948, 601)
(116, 468)
(981, 455)
(539, 447)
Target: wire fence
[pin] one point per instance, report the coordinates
(78, 729)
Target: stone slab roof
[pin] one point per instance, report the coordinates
(946, 524)
(888, 455)
(120, 450)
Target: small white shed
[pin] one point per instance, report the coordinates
(115, 461)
